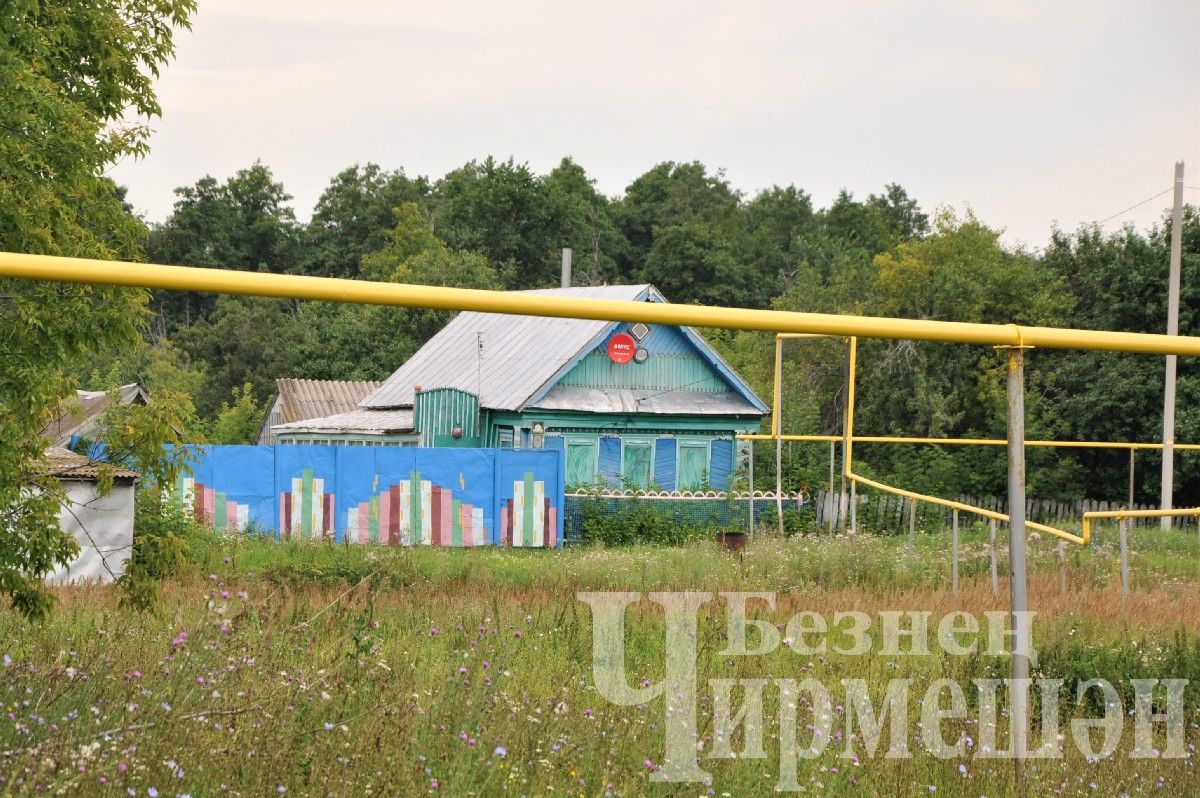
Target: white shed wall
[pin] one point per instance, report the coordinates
(103, 527)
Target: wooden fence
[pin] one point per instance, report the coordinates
(879, 511)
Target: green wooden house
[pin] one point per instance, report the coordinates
(631, 404)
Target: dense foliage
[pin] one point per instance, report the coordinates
(76, 82)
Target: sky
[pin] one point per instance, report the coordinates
(1033, 114)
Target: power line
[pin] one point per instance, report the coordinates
(1137, 205)
(1106, 219)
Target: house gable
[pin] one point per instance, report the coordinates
(680, 368)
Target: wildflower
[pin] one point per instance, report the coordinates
(501, 751)
(433, 631)
(281, 789)
(587, 713)
(7, 660)
(648, 764)
(179, 640)
(228, 560)
(199, 680)
(519, 635)
(152, 792)
(462, 669)
(224, 594)
(122, 767)
(486, 664)
(328, 726)
(166, 707)
(433, 784)
(212, 577)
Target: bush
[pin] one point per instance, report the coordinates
(616, 522)
(165, 535)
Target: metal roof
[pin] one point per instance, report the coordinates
(66, 464)
(367, 422)
(305, 399)
(510, 361)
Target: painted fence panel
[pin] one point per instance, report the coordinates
(397, 496)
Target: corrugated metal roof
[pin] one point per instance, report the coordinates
(519, 354)
(625, 400)
(65, 464)
(368, 422)
(304, 399)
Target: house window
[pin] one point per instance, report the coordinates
(635, 463)
(692, 472)
(581, 462)
(505, 438)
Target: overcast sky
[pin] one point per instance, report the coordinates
(1032, 113)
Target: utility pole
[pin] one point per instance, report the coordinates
(1168, 451)
(1018, 578)
(566, 267)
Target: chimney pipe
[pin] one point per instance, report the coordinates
(566, 267)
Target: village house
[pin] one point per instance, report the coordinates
(630, 404)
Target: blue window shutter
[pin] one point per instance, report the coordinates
(722, 463)
(609, 465)
(664, 463)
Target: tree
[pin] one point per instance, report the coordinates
(239, 421)
(588, 227)
(1119, 282)
(244, 223)
(411, 235)
(353, 217)
(247, 341)
(503, 211)
(671, 196)
(77, 82)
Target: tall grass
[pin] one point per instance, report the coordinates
(310, 669)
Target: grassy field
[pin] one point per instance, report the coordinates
(326, 670)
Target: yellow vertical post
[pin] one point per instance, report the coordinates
(777, 431)
(954, 549)
(1132, 456)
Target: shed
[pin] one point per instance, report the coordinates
(77, 416)
(301, 400)
(102, 524)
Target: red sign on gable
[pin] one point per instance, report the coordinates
(620, 348)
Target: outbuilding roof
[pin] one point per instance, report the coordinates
(77, 415)
(66, 464)
(304, 399)
(511, 362)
